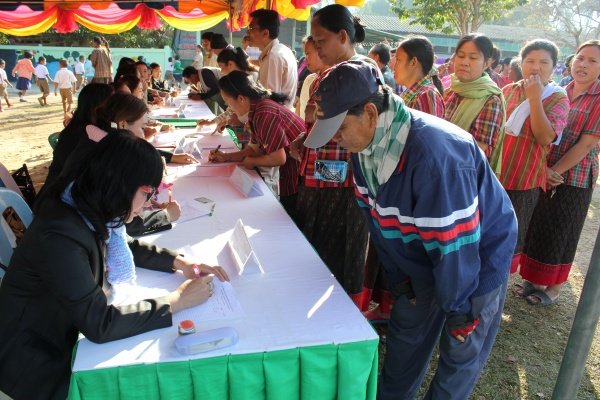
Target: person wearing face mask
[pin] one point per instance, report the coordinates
(474, 102)
(273, 127)
(232, 60)
(572, 171)
(54, 286)
(537, 111)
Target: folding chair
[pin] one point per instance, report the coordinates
(9, 198)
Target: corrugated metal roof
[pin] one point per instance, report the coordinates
(498, 32)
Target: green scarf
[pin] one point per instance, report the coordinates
(380, 158)
(474, 95)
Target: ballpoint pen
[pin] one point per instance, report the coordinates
(212, 210)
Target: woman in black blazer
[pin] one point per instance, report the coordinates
(53, 288)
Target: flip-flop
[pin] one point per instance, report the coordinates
(544, 299)
(526, 289)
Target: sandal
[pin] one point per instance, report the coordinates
(526, 289)
(541, 298)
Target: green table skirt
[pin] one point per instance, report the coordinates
(181, 122)
(346, 371)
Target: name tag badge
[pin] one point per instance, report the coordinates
(331, 170)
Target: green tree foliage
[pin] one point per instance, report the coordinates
(453, 16)
(134, 38)
(376, 7)
(579, 19)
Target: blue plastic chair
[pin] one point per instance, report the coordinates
(53, 139)
(9, 198)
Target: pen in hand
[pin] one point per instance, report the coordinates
(214, 153)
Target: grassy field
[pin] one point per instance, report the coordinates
(525, 361)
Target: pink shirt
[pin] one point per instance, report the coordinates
(24, 68)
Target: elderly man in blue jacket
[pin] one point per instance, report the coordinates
(441, 223)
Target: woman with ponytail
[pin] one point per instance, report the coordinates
(327, 207)
(413, 69)
(230, 60)
(273, 128)
(101, 60)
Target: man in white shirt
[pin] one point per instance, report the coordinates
(79, 72)
(64, 80)
(198, 58)
(278, 68)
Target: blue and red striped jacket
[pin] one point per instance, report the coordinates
(442, 217)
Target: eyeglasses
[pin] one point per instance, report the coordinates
(149, 190)
(252, 28)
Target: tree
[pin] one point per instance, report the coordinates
(134, 38)
(453, 16)
(580, 19)
(376, 7)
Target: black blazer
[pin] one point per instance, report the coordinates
(52, 291)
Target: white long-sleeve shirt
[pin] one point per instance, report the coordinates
(279, 70)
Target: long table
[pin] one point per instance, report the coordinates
(300, 336)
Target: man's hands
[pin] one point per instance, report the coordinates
(461, 326)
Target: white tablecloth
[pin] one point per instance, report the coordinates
(295, 303)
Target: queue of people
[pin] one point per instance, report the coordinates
(420, 203)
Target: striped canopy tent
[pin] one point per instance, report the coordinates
(25, 18)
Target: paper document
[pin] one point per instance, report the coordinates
(193, 209)
(223, 304)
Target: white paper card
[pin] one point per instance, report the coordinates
(243, 254)
(193, 209)
(186, 145)
(245, 183)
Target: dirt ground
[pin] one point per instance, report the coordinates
(525, 361)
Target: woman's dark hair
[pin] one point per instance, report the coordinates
(131, 81)
(239, 58)
(381, 99)
(218, 42)
(335, 17)
(102, 41)
(207, 36)
(28, 54)
(119, 107)
(126, 67)
(482, 42)
(541, 44)
(108, 181)
(593, 42)
(267, 19)
(421, 48)
(154, 66)
(90, 97)
(189, 71)
(496, 55)
(515, 65)
(240, 83)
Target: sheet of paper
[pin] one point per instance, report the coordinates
(223, 304)
(213, 141)
(193, 209)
